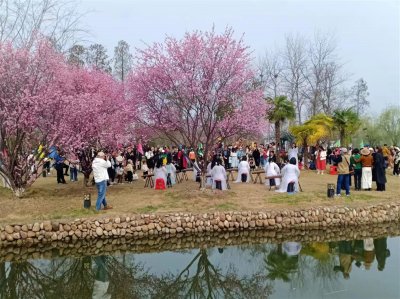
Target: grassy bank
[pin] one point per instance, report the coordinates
(47, 200)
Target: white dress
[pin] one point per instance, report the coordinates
(218, 173)
(171, 170)
(209, 180)
(272, 169)
(160, 173)
(290, 173)
(243, 168)
(233, 160)
(293, 153)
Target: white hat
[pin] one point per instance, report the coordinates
(100, 154)
(344, 150)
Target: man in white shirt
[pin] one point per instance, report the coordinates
(100, 174)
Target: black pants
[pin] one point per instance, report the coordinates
(357, 178)
(380, 187)
(46, 166)
(244, 177)
(111, 174)
(66, 167)
(129, 176)
(396, 169)
(60, 174)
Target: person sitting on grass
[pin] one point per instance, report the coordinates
(100, 175)
(290, 174)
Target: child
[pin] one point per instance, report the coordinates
(252, 164)
(145, 168)
(129, 171)
(119, 172)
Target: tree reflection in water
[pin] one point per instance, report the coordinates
(209, 282)
(23, 280)
(306, 266)
(280, 265)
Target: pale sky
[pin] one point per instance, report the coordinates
(367, 32)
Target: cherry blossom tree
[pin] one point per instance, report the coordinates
(197, 89)
(46, 102)
(31, 106)
(100, 118)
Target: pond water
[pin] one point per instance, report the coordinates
(368, 268)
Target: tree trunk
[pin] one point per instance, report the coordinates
(86, 178)
(277, 140)
(305, 155)
(342, 138)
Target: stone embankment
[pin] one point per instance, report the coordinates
(97, 247)
(144, 226)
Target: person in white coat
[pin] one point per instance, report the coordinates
(290, 173)
(209, 180)
(243, 168)
(233, 159)
(218, 175)
(171, 172)
(100, 165)
(272, 169)
(293, 152)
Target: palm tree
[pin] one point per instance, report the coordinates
(279, 265)
(347, 123)
(282, 109)
(314, 131)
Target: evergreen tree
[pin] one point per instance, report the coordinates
(360, 93)
(122, 60)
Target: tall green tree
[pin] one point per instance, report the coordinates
(372, 132)
(282, 110)
(360, 95)
(346, 122)
(389, 121)
(122, 60)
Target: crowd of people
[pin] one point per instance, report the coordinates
(353, 166)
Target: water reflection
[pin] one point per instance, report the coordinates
(256, 271)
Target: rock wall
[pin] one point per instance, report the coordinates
(95, 247)
(146, 225)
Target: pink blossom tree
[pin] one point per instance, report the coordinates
(46, 102)
(197, 89)
(100, 118)
(31, 106)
